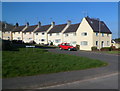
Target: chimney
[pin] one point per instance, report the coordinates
(16, 25)
(27, 24)
(69, 22)
(5, 25)
(53, 24)
(39, 24)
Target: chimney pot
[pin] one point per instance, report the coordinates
(53, 23)
(16, 25)
(27, 24)
(69, 22)
(39, 24)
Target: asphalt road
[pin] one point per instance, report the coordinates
(104, 82)
(54, 79)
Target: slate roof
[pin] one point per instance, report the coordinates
(57, 28)
(72, 28)
(18, 29)
(30, 28)
(9, 28)
(94, 23)
(43, 28)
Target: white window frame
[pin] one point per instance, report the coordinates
(57, 34)
(66, 34)
(96, 43)
(74, 34)
(84, 43)
(108, 43)
(84, 34)
(57, 40)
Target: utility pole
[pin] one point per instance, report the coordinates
(99, 34)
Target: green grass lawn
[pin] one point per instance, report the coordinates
(38, 61)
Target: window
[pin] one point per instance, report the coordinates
(8, 31)
(57, 33)
(18, 32)
(18, 38)
(42, 39)
(57, 40)
(74, 34)
(107, 43)
(107, 35)
(96, 34)
(96, 43)
(24, 33)
(84, 43)
(29, 32)
(36, 33)
(66, 35)
(102, 34)
(84, 34)
(102, 44)
(43, 33)
(50, 34)
(73, 42)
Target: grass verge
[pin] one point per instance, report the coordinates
(27, 62)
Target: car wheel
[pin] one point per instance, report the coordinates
(69, 49)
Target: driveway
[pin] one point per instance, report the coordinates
(46, 80)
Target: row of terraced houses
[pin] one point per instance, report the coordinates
(88, 33)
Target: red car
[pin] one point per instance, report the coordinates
(67, 46)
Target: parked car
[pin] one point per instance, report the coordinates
(67, 46)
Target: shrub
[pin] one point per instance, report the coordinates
(8, 46)
(106, 49)
(94, 48)
(78, 47)
(51, 43)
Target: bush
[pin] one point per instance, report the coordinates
(94, 48)
(51, 43)
(78, 47)
(106, 49)
(8, 46)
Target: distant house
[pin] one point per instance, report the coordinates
(116, 43)
(7, 32)
(93, 32)
(55, 35)
(17, 32)
(40, 35)
(28, 33)
(70, 35)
